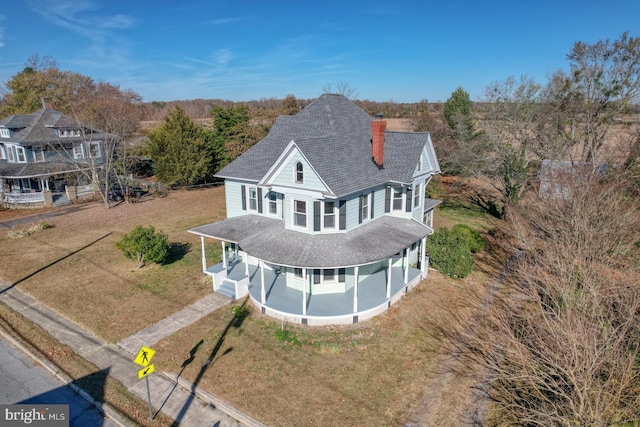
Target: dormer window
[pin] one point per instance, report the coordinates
(420, 163)
(4, 133)
(299, 173)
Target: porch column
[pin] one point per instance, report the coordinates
(304, 291)
(423, 256)
(355, 289)
(389, 279)
(406, 266)
(204, 255)
(246, 265)
(224, 255)
(263, 295)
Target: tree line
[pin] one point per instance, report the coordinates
(559, 344)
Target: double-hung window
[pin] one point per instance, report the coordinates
(94, 150)
(253, 198)
(300, 213)
(397, 199)
(10, 154)
(365, 207)
(273, 203)
(416, 196)
(3, 153)
(38, 153)
(20, 155)
(78, 150)
(329, 215)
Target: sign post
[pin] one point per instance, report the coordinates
(143, 358)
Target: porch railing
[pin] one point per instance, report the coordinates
(19, 198)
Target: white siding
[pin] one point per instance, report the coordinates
(232, 190)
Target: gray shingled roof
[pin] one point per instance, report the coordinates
(32, 170)
(267, 239)
(39, 127)
(334, 134)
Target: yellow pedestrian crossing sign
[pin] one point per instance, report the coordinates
(146, 371)
(144, 356)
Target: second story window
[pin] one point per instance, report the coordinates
(329, 215)
(416, 196)
(10, 154)
(38, 153)
(300, 213)
(94, 149)
(397, 199)
(4, 133)
(3, 153)
(20, 155)
(78, 151)
(364, 201)
(299, 173)
(253, 198)
(273, 203)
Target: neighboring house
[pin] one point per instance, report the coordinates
(42, 156)
(559, 177)
(327, 218)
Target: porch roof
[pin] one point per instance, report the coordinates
(269, 240)
(33, 170)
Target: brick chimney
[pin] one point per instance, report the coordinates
(378, 126)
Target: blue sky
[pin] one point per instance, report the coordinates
(403, 51)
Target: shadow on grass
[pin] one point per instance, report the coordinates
(236, 321)
(486, 204)
(177, 251)
(7, 288)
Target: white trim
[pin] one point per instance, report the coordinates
(21, 153)
(278, 166)
(250, 199)
(299, 192)
(295, 173)
(293, 214)
(323, 213)
(38, 156)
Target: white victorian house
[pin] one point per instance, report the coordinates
(327, 218)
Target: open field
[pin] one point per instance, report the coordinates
(388, 371)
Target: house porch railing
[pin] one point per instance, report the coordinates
(23, 198)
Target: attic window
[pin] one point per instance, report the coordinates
(299, 177)
(4, 133)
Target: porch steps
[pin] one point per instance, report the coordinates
(227, 288)
(61, 199)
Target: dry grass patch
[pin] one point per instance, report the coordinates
(75, 268)
(370, 374)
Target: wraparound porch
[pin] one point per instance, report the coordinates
(269, 292)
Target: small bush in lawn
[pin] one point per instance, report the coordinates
(145, 245)
(469, 235)
(449, 253)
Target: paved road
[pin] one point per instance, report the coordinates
(22, 380)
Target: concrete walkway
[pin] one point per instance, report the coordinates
(174, 323)
(175, 397)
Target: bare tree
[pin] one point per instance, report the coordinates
(604, 81)
(559, 343)
(341, 88)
